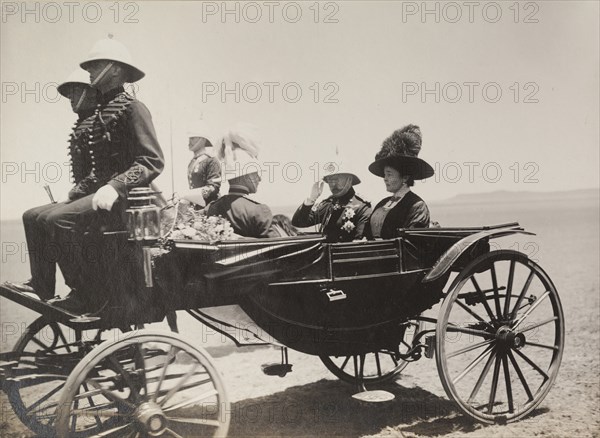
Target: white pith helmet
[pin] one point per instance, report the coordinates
(202, 129)
(238, 149)
(77, 77)
(109, 49)
(337, 164)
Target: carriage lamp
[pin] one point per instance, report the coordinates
(143, 224)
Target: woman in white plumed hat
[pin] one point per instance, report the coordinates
(238, 149)
(342, 217)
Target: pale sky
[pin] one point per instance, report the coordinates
(372, 65)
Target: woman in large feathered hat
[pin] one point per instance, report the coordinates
(398, 164)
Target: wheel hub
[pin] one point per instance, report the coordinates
(508, 338)
(151, 418)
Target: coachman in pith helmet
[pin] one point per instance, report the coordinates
(123, 152)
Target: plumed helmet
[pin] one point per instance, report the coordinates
(78, 77)
(238, 149)
(200, 128)
(109, 49)
(400, 151)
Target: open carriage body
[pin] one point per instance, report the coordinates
(497, 341)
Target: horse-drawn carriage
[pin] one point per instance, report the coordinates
(359, 306)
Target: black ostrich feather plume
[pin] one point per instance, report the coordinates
(403, 141)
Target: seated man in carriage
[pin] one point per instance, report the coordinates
(342, 216)
(239, 153)
(39, 235)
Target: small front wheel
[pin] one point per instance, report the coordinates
(147, 384)
(500, 337)
(377, 367)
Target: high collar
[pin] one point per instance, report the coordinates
(238, 190)
(402, 192)
(110, 95)
(346, 197)
(81, 115)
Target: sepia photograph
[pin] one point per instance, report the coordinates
(300, 218)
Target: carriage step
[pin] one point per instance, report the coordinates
(377, 396)
(276, 369)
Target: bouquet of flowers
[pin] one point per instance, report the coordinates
(192, 224)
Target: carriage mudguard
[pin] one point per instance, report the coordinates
(449, 258)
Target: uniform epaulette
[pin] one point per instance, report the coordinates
(251, 200)
(362, 200)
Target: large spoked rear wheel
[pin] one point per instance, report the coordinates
(149, 383)
(377, 367)
(45, 355)
(500, 337)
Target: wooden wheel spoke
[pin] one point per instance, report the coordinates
(109, 395)
(179, 385)
(61, 336)
(44, 346)
(91, 402)
(521, 376)
(74, 417)
(467, 349)
(533, 365)
(509, 286)
(142, 366)
(468, 331)
(548, 347)
(192, 400)
(117, 431)
(531, 309)
(99, 411)
(126, 377)
(49, 394)
(471, 312)
(494, 384)
(197, 421)
(522, 294)
(539, 324)
(378, 363)
(345, 363)
(481, 377)
(473, 364)
(509, 396)
(496, 291)
(483, 298)
(173, 433)
(168, 359)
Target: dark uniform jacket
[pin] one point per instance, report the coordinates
(204, 172)
(410, 212)
(342, 219)
(117, 145)
(248, 218)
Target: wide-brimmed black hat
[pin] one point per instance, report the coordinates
(400, 151)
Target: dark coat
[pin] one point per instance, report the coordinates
(248, 218)
(410, 212)
(120, 144)
(331, 215)
(204, 172)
